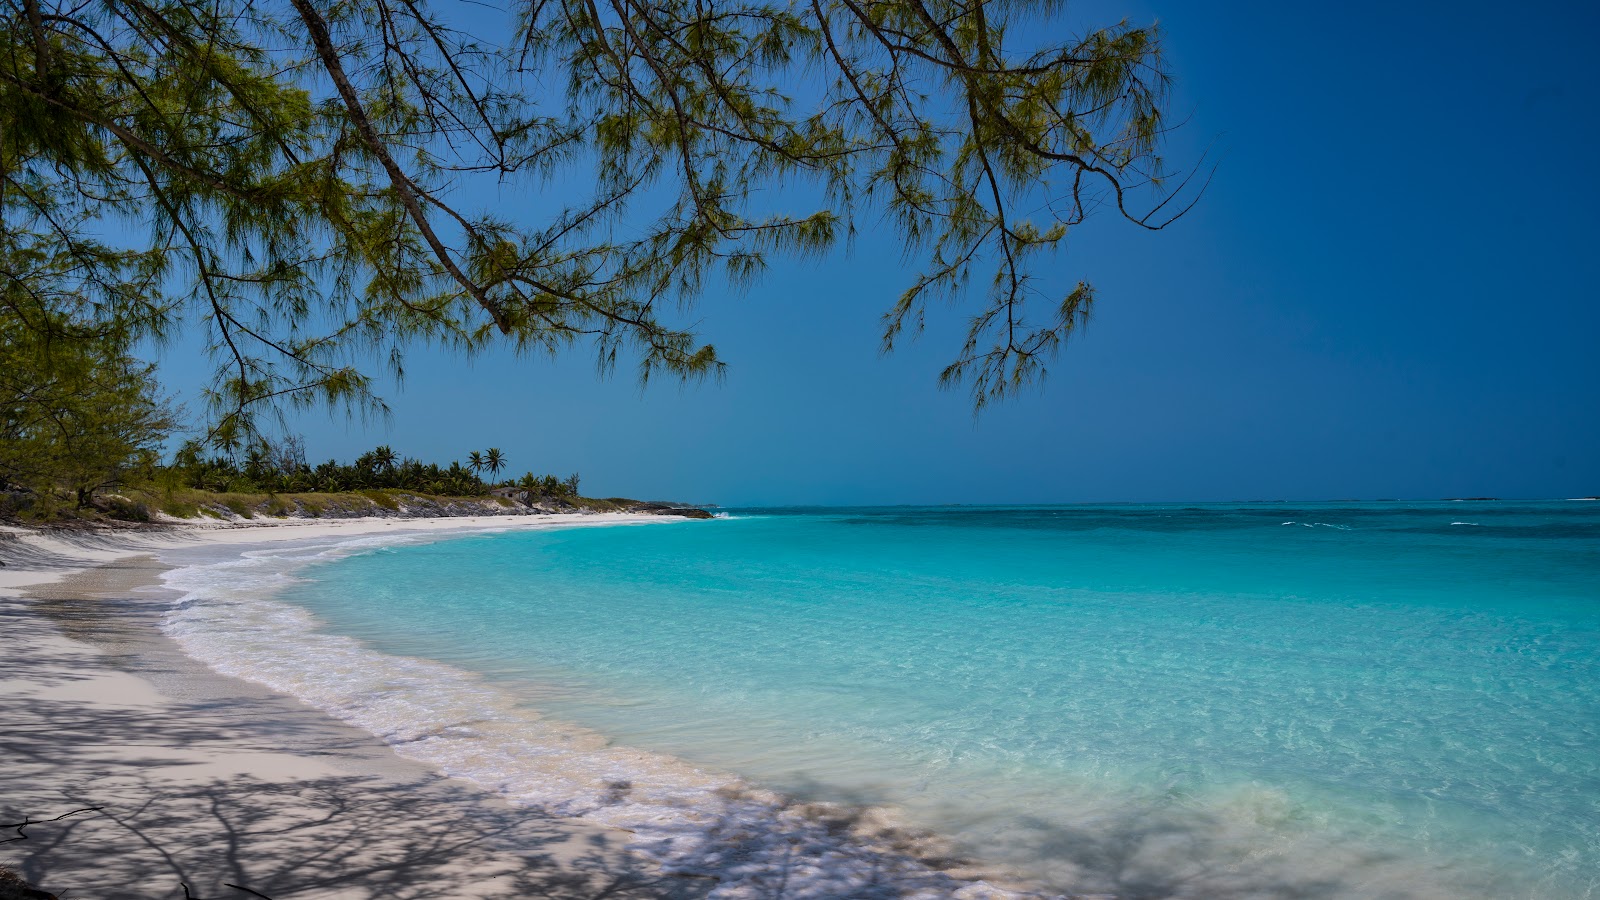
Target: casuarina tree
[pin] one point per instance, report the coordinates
(294, 175)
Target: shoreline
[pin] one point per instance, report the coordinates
(180, 754)
(205, 780)
(35, 556)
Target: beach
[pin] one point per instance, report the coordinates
(143, 771)
(1340, 700)
(199, 781)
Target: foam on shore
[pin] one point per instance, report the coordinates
(690, 821)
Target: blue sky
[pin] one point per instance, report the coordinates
(1388, 291)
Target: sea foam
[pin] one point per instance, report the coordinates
(688, 820)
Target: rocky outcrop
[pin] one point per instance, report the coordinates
(548, 503)
(535, 500)
(668, 509)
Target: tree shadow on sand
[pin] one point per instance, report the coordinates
(196, 793)
(345, 837)
(353, 836)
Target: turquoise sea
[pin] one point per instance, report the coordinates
(1255, 700)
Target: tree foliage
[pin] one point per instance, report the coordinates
(281, 467)
(298, 176)
(77, 413)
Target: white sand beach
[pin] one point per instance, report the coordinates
(34, 557)
(147, 774)
(208, 786)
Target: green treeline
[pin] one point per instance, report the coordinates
(83, 424)
(82, 418)
(282, 468)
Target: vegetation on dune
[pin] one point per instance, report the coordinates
(274, 479)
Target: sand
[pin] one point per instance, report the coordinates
(211, 787)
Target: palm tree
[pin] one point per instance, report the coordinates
(455, 478)
(255, 462)
(494, 461)
(475, 462)
(384, 457)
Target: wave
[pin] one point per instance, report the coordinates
(688, 820)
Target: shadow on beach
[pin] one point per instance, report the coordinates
(218, 784)
(328, 837)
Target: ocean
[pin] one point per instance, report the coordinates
(1219, 700)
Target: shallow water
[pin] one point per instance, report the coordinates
(1223, 701)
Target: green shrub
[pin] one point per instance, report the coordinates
(14, 504)
(180, 509)
(382, 498)
(127, 510)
